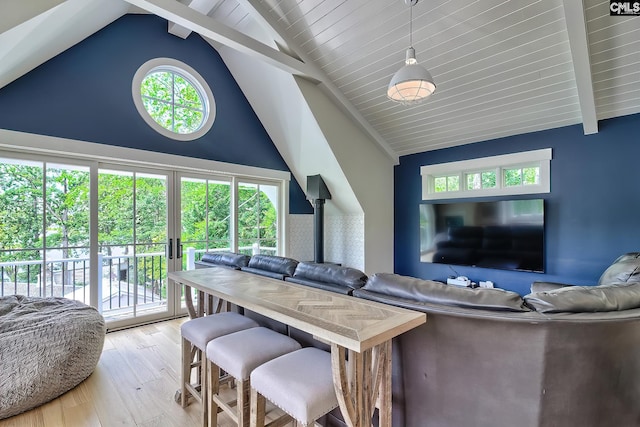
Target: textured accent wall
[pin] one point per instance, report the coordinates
(344, 240)
(300, 236)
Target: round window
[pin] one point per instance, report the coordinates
(173, 99)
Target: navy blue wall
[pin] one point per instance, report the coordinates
(592, 213)
(85, 93)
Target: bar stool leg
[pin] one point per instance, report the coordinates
(186, 371)
(257, 409)
(213, 386)
(204, 386)
(244, 410)
(259, 414)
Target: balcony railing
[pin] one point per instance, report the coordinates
(125, 280)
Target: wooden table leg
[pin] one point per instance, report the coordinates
(201, 303)
(207, 304)
(384, 379)
(358, 388)
(188, 300)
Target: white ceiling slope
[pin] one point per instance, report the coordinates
(502, 67)
(41, 29)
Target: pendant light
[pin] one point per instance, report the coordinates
(412, 83)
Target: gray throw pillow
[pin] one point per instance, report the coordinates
(624, 270)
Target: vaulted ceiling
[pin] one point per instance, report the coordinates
(502, 67)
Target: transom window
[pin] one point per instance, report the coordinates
(173, 99)
(514, 177)
(447, 183)
(479, 180)
(518, 173)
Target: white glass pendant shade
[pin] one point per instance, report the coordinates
(412, 83)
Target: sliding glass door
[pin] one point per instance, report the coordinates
(134, 244)
(44, 232)
(205, 216)
(258, 230)
(108, 234)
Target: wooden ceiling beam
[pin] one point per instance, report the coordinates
(579, 44)
(203, 6)
(180, 14)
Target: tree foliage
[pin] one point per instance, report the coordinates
(128, 206)
(20, 211)
(172, 101)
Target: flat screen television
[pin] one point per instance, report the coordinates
(506, 234)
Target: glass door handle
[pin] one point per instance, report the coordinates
(170, 248)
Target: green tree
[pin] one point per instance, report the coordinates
(21, 217)
(206, 213)
(20, 209)
(68, 211)
(172, 101)
(115, 211)
(257, 218)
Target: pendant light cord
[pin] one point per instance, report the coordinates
(410, 25)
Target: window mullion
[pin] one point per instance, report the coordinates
(173, 102)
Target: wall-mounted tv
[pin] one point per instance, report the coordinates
(506, 235)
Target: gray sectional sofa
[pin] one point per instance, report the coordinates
(561, 356)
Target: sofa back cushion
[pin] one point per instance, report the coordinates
(276, 264)
(331, 273)
(225, 259)
(429, 291)
(273, 266)
(544, 286)
(579, 299)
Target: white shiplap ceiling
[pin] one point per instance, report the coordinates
(502, 67)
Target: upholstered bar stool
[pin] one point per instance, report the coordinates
(239, 354)
(299, 383)
(196, 334)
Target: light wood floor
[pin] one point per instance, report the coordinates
(133, 385)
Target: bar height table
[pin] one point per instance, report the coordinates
(360, 327)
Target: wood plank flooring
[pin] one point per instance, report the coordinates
(133, 385)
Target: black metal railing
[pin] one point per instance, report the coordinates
(125, 280)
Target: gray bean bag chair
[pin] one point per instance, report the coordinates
(47, 347)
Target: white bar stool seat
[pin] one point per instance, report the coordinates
(299, 383)
(239, 354)
(196, 334)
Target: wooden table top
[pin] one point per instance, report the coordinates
(354, 323)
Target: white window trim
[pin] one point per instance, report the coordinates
(69, 151)
(23, 142)
(541, 158)
(194, 77)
